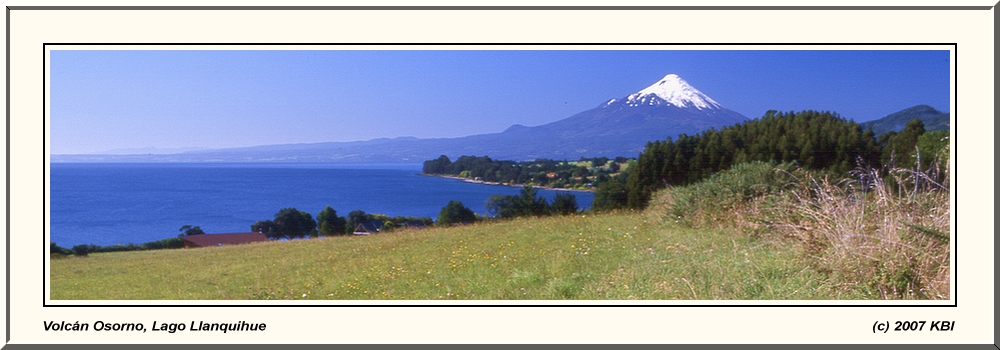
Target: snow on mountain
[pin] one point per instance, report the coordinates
(672, 90)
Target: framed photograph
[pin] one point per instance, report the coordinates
(619, 169)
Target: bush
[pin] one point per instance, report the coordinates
(81, 249)
(56, 249)
(168, 243)
(330, 223)
(725, 192)
(390, 223)
(527, 203)
(85, 249)
(189, 230)
(610, 195)
(455, 213)
(564, 204)
(292, 223)
(114, 248)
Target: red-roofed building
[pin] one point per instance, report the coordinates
(221, 239)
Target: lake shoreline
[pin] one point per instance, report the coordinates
(480, 182)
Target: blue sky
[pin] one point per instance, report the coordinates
(108, 100)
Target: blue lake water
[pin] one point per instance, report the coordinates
(114, 203)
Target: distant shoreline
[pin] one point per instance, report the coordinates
(480, 182)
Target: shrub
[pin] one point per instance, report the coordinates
(527, 203)
(610, 195)
(723, 193)
(564, 204)
(56, 249)
(81, 249)
(455, 213)
(330, 223)
(189, 230)
(168, 243)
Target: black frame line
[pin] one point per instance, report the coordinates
(45, 260)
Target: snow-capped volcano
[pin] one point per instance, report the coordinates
(672, 90)
(619, 127)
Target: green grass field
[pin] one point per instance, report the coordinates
(612, 256)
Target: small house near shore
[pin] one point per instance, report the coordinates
(221, 239)
(367, 228)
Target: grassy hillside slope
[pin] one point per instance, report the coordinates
(611, 256)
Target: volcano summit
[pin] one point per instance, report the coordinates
(621, 127)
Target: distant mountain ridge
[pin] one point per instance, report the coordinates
(933, 120)
(618, 127)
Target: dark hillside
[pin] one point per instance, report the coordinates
(933, 120)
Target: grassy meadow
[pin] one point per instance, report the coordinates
(758, 231)
(612, 256)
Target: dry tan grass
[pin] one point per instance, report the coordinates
(888, 238)
(865, 233)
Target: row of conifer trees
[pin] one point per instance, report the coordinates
(809, 139)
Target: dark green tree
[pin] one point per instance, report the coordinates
(598, 162)
(292, 223)
(564, 204)
(437, 166)
(455, 213)
(934, 148)
(81, 249)
(56, 249)
(615, 167)
(503, 207)
(527, 203)
(267, 227)
(191, 230)
(900, 149)
(610, 195)
(329, 223)
(530, 203)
